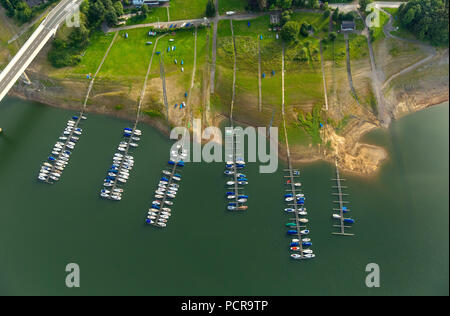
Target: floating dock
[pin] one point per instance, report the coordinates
(294, 189)
(160, 212)
(123, 163)
(52, 170)
(235, 165)
(343, 209)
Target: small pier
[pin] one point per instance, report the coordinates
(235, 160)
(342, 208)
(293, 196)
(297, 205)
(160, 212)
(235, 165)
(123, 163)
(52, 170)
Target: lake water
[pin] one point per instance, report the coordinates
(402, 218)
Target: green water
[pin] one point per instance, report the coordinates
(402, 218)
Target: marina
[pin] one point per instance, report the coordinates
(343, 222)
(52, 169)
(294, 197)
(160, 211)
(123, 163)
(235, 164)
(233, 170)
(116, 232)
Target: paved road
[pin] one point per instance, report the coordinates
(31, 48)
(347, 7)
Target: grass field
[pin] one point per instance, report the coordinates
(156, 14)
(378, 31)
(401, 32)
(93, 55)
(317, 20)
(187, 9)
(303, 80)
(232, 5)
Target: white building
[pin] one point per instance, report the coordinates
(149, 2)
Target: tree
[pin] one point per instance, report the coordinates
(285, 17)
(286, 4)
(144, 11)
(210, 8)
(363, 4)
(305, 28)
(111, 17)
(96, 13)
(118, 7)
(427, 19)
(79, 37)
(326, 13)
(332, 36)
(290, 30)
(335, 14)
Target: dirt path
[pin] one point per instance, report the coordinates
(376, 75)
(388, 28)
(259, 76)
(323, 76)
(349, 68)
(234, 73)
(192, 79)
(214, 56)
(98, 70)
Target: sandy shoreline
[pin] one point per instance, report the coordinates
(351, 160)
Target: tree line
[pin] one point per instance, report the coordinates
(286, 4)
(20, 11)
(427, 19)
(93, 13)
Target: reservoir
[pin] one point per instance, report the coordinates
(401, 213)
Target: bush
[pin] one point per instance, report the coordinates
(290, 30)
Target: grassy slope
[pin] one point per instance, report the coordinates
(156, 14)
(187, 9)
(232, 5)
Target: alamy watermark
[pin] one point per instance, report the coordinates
(373, 278)
(73, 278)
(73, 19)
(373, 18)
(250, 142)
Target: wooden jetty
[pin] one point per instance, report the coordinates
(64, 148)
(164, 199)
(293, 174)
(234, 157)
(125, 153)
(340, 195)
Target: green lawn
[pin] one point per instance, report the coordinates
(129, 57)
(232, 5)
(401, 32)
(187, 9)
(156, 14)
(259, 26)
(358, 46)
(93, 55)
(335, 51)
(378, 31)
(317, 20)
